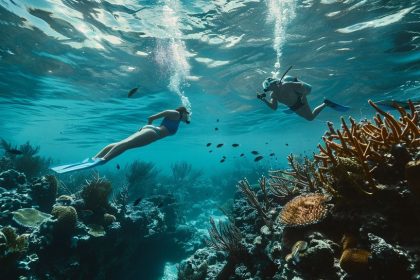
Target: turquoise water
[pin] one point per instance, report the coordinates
(67, 66)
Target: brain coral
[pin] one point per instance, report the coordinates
(304, 210)
(66, 217)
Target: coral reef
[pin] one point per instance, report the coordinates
(86, 236)
(361, 191)
(363, 184)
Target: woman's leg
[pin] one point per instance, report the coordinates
(306, 112)
(105, 150)
(138, 139)
(318, 110)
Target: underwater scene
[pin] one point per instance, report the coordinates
(209, 139)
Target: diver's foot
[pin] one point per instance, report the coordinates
(328, 102)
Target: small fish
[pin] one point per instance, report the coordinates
(14, 151)
(235, 145)
(219, 145)
(258, 158)
(118, 166)
(217, 120)
(254, 152)
(242, 155)
(266, 143)
(208, 144)
(210, 151)
(223, 156)
(287, 144)
(133, 91)
(272, 154)
(137, 201)
(222, 160)
(216, 128)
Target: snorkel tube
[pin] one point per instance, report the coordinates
(284, 74)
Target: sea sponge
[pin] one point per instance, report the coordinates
(66, 217)
(29, 217)
(304, 210)
(355, 261)
(95, 194)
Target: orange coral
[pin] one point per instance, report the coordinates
(366, 143)
(348, 241)
(355, 261)
(304, 210)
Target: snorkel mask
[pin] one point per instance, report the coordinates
(188, 119)
(269, 83)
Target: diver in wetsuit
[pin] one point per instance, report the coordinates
(147, 134)
(292, 93)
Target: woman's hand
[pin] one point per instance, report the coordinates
(149, 120)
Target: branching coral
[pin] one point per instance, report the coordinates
(304, 210)
(366, 143)
(28, 160)
(184, 174)
(252, 199)
(226, 238)
(300, 178)
(141, 176)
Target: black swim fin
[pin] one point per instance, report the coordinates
(335, 106)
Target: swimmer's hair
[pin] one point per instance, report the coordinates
(182, 110)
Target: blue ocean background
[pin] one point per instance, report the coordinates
(67, 66)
